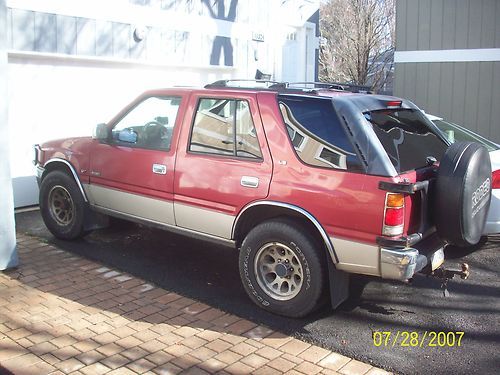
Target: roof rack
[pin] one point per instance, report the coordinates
(259, 83)
(264, 85)
(337, 86)
(296, 87)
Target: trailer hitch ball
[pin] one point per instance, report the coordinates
(444, 273)
(465, 271)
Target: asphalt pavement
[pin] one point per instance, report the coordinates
(209, 273)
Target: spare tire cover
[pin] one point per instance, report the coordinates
(462, 193)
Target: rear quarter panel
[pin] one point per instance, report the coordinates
(348, 205)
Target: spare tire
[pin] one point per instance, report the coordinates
(462, 193)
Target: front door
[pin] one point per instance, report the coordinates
(133, 172)
(223, 163)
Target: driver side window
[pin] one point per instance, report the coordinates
(148, 125)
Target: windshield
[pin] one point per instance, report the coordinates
(456, 133)
(407, 137)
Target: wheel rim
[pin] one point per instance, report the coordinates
(61, 205)
(278, 271)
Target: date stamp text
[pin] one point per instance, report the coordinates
(417, 339)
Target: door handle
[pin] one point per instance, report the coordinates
(249, 181)
(159, 169)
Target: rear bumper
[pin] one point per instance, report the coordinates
(398, 263)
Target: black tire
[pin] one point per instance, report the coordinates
(463, 193)
(62, 206)
(291, 243)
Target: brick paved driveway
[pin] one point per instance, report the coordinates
(60, 313)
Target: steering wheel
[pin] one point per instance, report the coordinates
(151, 124)
(152, 131)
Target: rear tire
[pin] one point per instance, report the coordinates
(282, 268)
(62, 206)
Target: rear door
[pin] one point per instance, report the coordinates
(223, 163)
(133, 173)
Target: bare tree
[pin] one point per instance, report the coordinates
(357, 41)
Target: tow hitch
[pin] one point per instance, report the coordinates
(447, 274)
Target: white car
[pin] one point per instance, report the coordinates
(456, 132)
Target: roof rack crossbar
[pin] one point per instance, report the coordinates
(334, 86)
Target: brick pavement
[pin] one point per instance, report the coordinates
(61, 313)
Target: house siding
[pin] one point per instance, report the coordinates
(465, 92)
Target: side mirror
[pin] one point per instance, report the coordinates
(101, 132)
(127, 135)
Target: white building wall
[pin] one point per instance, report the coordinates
(73, 64)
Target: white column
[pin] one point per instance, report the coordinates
(8, 252)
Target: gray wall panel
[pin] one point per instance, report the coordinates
(461, 23)
(424, 25)
(497, 25)
(484, 98)
(436, 24)
(467, 93)
(488, 24)
(474, 31)
(421, 91)
(471, 94)
(399, 70)
(445, 89)
(495, 108)
(433, 86)
(412, 25)
(457, 95)
(410, 81)
(401, 25)
(448, 24)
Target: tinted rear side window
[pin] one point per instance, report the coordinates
(316, 133)
(406, 137)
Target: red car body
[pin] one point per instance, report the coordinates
(221, 197)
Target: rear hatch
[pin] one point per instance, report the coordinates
(414, 147)
(409, 138)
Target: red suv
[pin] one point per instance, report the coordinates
(307, 184)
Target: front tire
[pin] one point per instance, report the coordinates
(62, 206)
(282, 268)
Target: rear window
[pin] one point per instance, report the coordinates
(317, 134)
(406, 137)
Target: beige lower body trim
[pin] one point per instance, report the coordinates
(357, 257)
(151, 209)
(204, 220)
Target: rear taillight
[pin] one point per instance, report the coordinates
(495, 183)
(394, 215)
